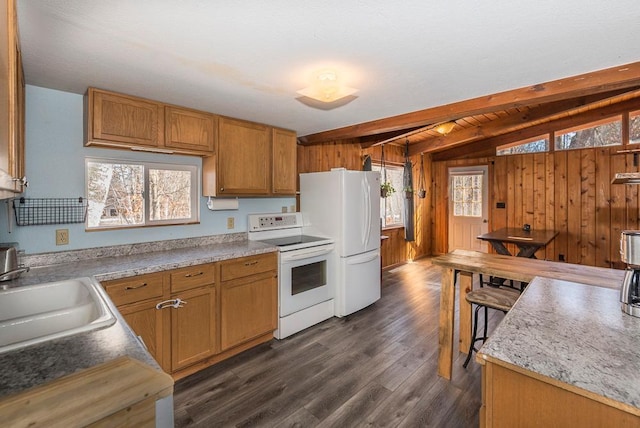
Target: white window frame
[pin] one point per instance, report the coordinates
(398, 195)
(147, 222)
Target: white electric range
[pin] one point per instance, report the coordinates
(306, 270)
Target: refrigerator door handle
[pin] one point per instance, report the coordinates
(363, 259)
(367, 206)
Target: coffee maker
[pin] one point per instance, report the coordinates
(630, 254)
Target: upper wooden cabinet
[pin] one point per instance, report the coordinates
(284, 170)
(189, 129)
(124, 121)
(251, 159)
(11, 100)
(243, 157)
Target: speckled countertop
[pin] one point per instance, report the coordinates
(34, 365)
(575, 334)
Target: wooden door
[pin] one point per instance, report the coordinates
(193, 327)
(189, 129)
(121, 120)
(284, 171)
(468, 208)
(243, 158)
(147, 323)
(248, 308)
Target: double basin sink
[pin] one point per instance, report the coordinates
(39, 313)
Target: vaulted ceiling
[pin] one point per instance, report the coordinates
(484, 123)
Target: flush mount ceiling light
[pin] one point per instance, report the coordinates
(444, 128)
(327, 88)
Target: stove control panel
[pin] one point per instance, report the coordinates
(274, 221)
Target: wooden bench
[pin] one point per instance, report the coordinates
(466, 263)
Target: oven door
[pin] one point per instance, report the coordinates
(306, 278)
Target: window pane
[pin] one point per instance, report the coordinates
(392, 207)
(537, 146)
(604, 134)
(115, 194)
(634, 127)
(467, 195)
(169, 194)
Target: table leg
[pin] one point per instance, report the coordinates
(466, 285)
(445, 328)
(528, 251)
(500, 248)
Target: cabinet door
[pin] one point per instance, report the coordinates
(243, 158)
(248, 309)
(284, 169)
(11, 99)
(189, 129)
(121, 120)
(193, 327)
(147, 323)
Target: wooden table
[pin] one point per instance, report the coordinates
(528, 242)
(517, 268)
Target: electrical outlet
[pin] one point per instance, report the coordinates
(292, 209)
(284, 209)
(62, 236)
(230, 222)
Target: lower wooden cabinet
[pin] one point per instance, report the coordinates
(248, 309)
(193, 327)
(147, 322)
(189, 320)
(519, 398)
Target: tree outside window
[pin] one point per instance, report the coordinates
(132, 194)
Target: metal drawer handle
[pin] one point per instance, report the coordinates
(191, 275)
(251, 263)
(135, 287)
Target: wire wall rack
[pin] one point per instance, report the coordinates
(38, 211)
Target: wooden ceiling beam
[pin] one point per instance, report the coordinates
(483, 147)
(534, 116)
(609, 79)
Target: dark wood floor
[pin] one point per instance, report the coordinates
(375, 368)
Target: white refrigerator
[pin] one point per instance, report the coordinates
(345, 205)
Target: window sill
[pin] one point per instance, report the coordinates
(397, 226)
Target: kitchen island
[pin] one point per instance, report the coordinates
(565, 355)
(42, 363)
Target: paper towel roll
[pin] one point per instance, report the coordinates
(216, 204)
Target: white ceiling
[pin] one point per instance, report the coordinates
(247, 59)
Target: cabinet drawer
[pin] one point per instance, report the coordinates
(192, 277)
(134, 289)
(246, 266)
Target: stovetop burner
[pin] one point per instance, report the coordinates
(293, 240)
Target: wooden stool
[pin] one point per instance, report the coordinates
(499, 298)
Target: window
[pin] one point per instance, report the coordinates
(634, 127)
(607, 132)
(134, 194)
(531, 145)
(467, 194)
(392, 207)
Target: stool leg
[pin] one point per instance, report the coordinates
(473, 338)
(486, 319)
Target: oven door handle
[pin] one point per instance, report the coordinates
(298, 255)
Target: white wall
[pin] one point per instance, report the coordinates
(55, 159)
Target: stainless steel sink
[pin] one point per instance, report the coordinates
(42, 312)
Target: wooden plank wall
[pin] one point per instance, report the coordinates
(349, 154)
(568, 191)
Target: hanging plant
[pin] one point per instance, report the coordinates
(422, 193)
(408, 192)
(386, 189)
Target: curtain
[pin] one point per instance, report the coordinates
(408, 201)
